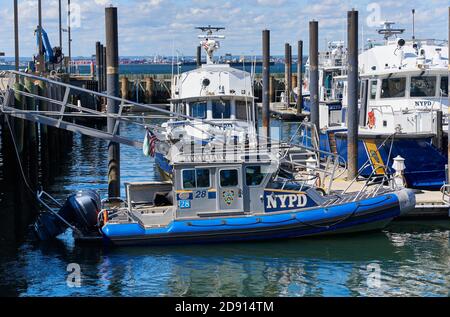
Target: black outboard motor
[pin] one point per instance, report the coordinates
(79, 210)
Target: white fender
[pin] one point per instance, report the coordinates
(407, 200)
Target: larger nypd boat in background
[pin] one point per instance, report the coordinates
(403, 92)
(218, 100)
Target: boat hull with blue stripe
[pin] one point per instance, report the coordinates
(364, 215)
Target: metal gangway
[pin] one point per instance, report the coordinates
(56, 110)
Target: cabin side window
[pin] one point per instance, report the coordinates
(254, 175)
(198, 110)
(444, 86)
(196, 178)
(241, 110)
(423, 86)
(221, 109)
(393, 87)
(373, 89)
(229, 178)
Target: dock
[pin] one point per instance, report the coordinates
(281, 111)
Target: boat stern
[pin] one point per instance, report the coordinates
(406, 200)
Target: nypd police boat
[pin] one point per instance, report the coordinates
(234, 193)
(402, 106)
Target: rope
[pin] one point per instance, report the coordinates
(18, 157)
(22, 172)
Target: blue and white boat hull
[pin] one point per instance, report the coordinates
(362, 215)
(425, 164)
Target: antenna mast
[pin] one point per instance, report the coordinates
(210, 41)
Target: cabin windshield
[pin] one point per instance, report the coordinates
(254, 175)
(444, 86)
(198, 109)
(241, 110)
(423, 86)
(393, 87)
(221, 109)
(196, 178)
(229, 178)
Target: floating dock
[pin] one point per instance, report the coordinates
(281, 111)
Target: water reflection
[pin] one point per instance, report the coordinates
(324, 267)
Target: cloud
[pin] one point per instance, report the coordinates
(270, 3)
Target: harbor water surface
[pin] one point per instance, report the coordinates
(408, 258)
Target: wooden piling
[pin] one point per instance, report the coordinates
(31, 137)
(18, 124)
(352, 109)
(287, 80)
(265, 84)
(300, 77)
(124, 87)
(448, 111)
(98, 54)
(314, 72)
(104, 71)
(293, 82)
(199, 56)
(272, 88)
(112, 60)
(439, 135)
(44, 137)
(149, 90)
(16, 38)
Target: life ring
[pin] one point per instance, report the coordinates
(371, 120)
(105, 216)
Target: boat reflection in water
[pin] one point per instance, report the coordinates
(340, 266)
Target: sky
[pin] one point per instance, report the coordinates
(149, 27)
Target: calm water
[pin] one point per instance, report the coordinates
(413, 258)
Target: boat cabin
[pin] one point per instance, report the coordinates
(219, 189)
(214, 92)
